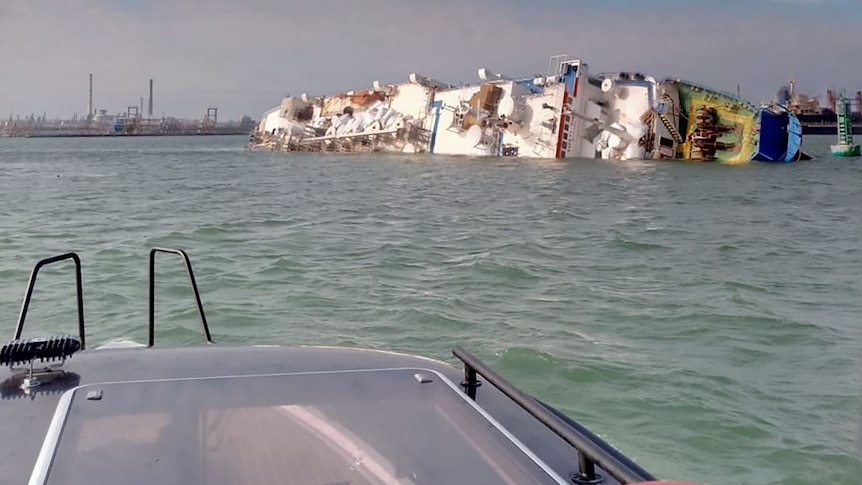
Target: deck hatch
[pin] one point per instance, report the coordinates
(380, 426)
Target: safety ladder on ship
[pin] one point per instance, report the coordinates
(670, 128)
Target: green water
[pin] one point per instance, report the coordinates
(704, 319)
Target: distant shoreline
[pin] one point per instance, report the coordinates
(827, 129)
(122, 135)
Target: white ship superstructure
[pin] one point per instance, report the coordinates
(563, 114)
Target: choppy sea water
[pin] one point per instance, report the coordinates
(704, 319)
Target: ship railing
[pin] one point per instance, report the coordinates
(392, 131)
(151, 327)
(31, 285)
(728, 94)
(592, 450)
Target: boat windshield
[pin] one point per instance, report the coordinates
(394, 426)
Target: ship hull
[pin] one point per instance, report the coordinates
(719, 127)
(779, 136)
(715, 126)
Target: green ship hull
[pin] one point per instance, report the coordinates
(715, 126)
(731, 121)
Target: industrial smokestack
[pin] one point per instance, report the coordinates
(150, 110)
(90, 100)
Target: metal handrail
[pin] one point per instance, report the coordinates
(31, 284)
(152, 308)
(592, 450)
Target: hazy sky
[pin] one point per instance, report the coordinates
(242, 56)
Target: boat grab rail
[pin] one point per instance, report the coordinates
(31, 284)
(151, 327)
(591, 449)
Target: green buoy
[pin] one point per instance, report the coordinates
(845, 146)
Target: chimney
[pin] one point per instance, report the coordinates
(90, 100)
(150, 110)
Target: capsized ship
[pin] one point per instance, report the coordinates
(567, 113)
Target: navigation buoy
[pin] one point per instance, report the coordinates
(845, 146)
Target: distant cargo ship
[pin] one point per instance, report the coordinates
(817, 120)
(824, 123)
